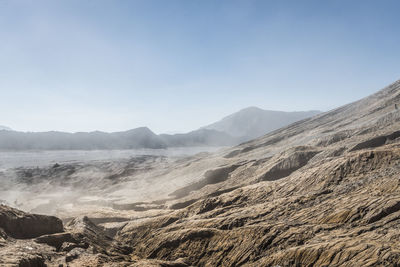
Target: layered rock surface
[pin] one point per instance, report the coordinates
(321, 192)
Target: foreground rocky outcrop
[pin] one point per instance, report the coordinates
(18, 224)
(321, 192)
(37, 240)
(349, 217)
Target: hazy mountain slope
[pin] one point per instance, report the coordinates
(254, 122)
(5, 128)
(199, 137)
(136, 138)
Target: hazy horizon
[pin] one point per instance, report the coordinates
(175, 66)
(169, 132)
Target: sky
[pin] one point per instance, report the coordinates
(174, 66)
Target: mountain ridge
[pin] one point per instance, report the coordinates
(143, 137)
(253, 122)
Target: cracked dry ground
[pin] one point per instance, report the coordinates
(321, 192)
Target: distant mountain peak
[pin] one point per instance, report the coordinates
(253, 122)
(251, 108)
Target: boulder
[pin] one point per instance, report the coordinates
(21, 225)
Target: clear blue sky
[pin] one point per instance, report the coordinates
(177, 65)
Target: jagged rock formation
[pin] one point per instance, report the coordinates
(320, 192)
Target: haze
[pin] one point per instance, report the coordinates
(179, 65)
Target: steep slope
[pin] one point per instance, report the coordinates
(253, 122)
(319, 192)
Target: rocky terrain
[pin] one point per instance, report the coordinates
(323, 191)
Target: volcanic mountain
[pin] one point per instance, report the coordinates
(253, 122)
